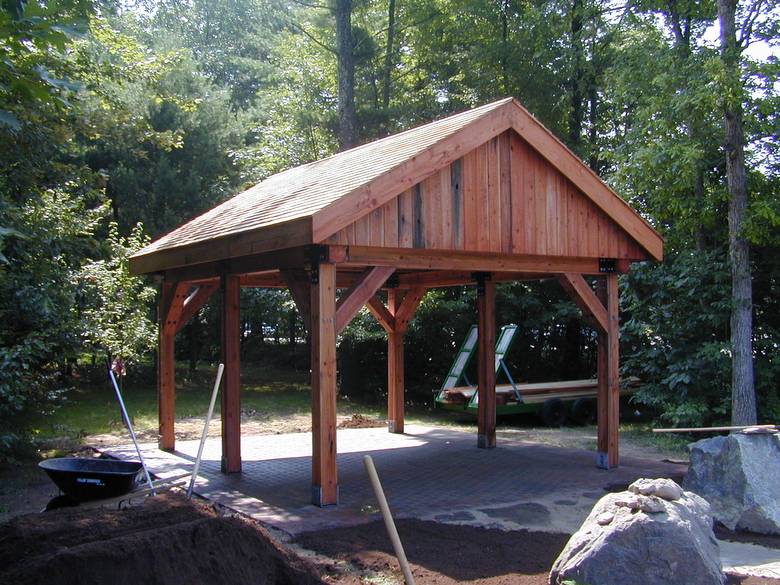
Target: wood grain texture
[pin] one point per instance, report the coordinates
(166, 373)
(501, 197)
(347, 198)
(194, 303)
(381, 313)
(359, 294)
(608, 394)
(395, 368)
(231, 380)
(584, 297)
(486, 368)
(323, 386)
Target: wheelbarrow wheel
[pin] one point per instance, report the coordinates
(554, 412)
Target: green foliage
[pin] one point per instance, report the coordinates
(39, 310)
(675, 337)
(116, 316)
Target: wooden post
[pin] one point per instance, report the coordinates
(166, 373)
(608, 409)
(325, 489)
(486, 362)
(395, 368)
(231, 387)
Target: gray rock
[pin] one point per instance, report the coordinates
(661, 487)
(739, 475)
(673, 546)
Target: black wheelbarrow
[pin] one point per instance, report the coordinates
(86, 479)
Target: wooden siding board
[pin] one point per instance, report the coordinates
(505, 198)
(457, 204)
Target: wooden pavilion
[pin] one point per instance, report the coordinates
(481, 197)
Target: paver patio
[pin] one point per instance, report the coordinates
(429, 473)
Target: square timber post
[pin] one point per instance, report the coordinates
(325, 489)
(231, 383)
(486, 361)
(608, 402)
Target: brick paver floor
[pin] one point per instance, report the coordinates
(427, 473)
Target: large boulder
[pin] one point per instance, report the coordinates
(739, 475)
(652, 534)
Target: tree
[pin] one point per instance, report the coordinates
(742, 379)
(116, 317)
(346, 69)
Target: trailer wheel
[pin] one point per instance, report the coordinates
(554, 412)
(583, 411)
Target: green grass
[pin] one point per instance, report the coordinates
(93, 409)
(268, 393)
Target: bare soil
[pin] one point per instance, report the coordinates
(167, 540)
(444, 554)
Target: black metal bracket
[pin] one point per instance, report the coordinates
(607, 265)
(481, 277)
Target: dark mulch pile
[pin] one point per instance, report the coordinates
(445, 553)
(168, 540)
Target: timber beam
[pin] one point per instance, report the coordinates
(366, 286)
(584, 297)
(410, 258)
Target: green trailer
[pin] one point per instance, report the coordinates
(556, 402)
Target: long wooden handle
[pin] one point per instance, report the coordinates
(388, 518)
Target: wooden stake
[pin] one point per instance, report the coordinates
(388, 518)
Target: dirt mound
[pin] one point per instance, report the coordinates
(444, 554)
(358, 421)
(167, 541)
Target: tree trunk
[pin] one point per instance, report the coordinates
(743, 396)
(577, 75)
(387, 73)
(346, 73)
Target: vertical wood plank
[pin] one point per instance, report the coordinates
(325, 489)
(166, 374)
(494, 195)
(376, 221)
(486, 364)
(530, 219)
(505, 188)
(430, 212)
(406, 219)
(519, 193)
(231, 382)
(457, 204)
(391, 223)
(470, 211)
(445, 213)
(419, 219)
(481, 194)
(395, 369)
(540, 224)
